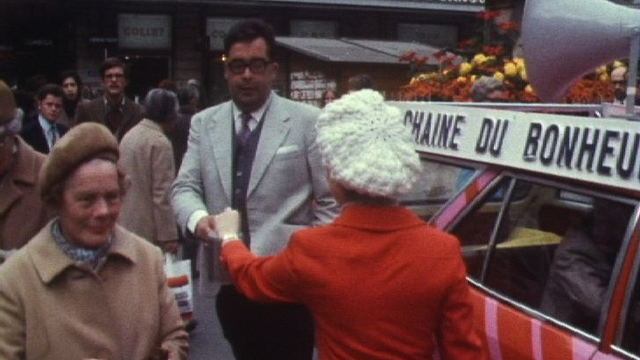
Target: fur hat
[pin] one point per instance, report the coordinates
(366, 146)
(7, 103)
(83, 142)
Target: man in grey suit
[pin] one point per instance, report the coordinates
(256, 153)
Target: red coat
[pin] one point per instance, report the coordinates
(380, 283)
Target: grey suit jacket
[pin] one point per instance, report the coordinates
(287, 191)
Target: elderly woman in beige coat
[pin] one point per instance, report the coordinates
(84, 287)
(146, 156)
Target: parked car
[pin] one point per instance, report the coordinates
(546, 208)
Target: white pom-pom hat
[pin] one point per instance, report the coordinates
(366, 147)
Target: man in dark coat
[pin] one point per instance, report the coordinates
(114, 109)
(44, 130)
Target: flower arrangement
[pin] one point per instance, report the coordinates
(455, 75)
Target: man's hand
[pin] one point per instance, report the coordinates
(206, 229)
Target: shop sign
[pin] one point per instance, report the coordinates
(217, 29)
(144, 31)
(436, 35)
(314, 28)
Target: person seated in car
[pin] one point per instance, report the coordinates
(582, 265)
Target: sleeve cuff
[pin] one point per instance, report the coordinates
(194, 218)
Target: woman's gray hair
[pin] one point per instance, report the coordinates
(161, 105)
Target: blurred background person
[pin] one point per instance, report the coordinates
(619, 78)
(43, 132)
(113, 109)
(359, 82)
(379, 281)
(168, 84)
(72, 86)
(85, 287)
(22, 214)
(488, 89)
(328, 96)
(147, 158)
(188, 99)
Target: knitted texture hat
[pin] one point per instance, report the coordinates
(83, 142)
(366, 146)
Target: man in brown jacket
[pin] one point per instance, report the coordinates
(22, 214)
(114, 109)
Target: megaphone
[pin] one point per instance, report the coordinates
(565, 39)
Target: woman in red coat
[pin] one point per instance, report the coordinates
(380, 282)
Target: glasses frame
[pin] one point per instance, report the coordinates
(256, 66)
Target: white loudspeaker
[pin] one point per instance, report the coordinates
(565, 39)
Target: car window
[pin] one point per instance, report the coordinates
(552, 253)
(438, 183)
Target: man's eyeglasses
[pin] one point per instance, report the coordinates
(114, 76)
(257, 66)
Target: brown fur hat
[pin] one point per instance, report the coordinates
(7, 103)
(82, 143)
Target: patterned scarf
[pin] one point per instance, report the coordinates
(77, 253)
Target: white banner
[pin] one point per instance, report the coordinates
(600, 150)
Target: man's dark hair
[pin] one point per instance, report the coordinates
(111, 63)
(361, 81)
(72, 74)
(50, 89)
(249, 30)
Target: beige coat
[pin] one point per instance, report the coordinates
(22, 214)
(55, 309)
(146, 156)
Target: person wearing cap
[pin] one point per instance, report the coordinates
(380, 282)
(85, 287)
(22, 213)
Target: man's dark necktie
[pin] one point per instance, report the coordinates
(54, 134)
(113, 117)
(245, 131)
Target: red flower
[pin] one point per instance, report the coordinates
(463, 44)
(509, 25)
(494, 50)
(488, 15)
(408, 56)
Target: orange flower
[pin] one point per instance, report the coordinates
(509, 25)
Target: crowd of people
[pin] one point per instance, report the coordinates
(317, 250)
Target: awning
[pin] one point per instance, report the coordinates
(357, 51)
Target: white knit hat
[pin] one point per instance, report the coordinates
(366, 146)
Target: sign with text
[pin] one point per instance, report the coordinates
(314, 28)
(217, 29)
(144, 31)
(600, 150)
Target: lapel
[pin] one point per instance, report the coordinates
(23, 172)
(100, 110)
(221, 146)
(274, 132)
